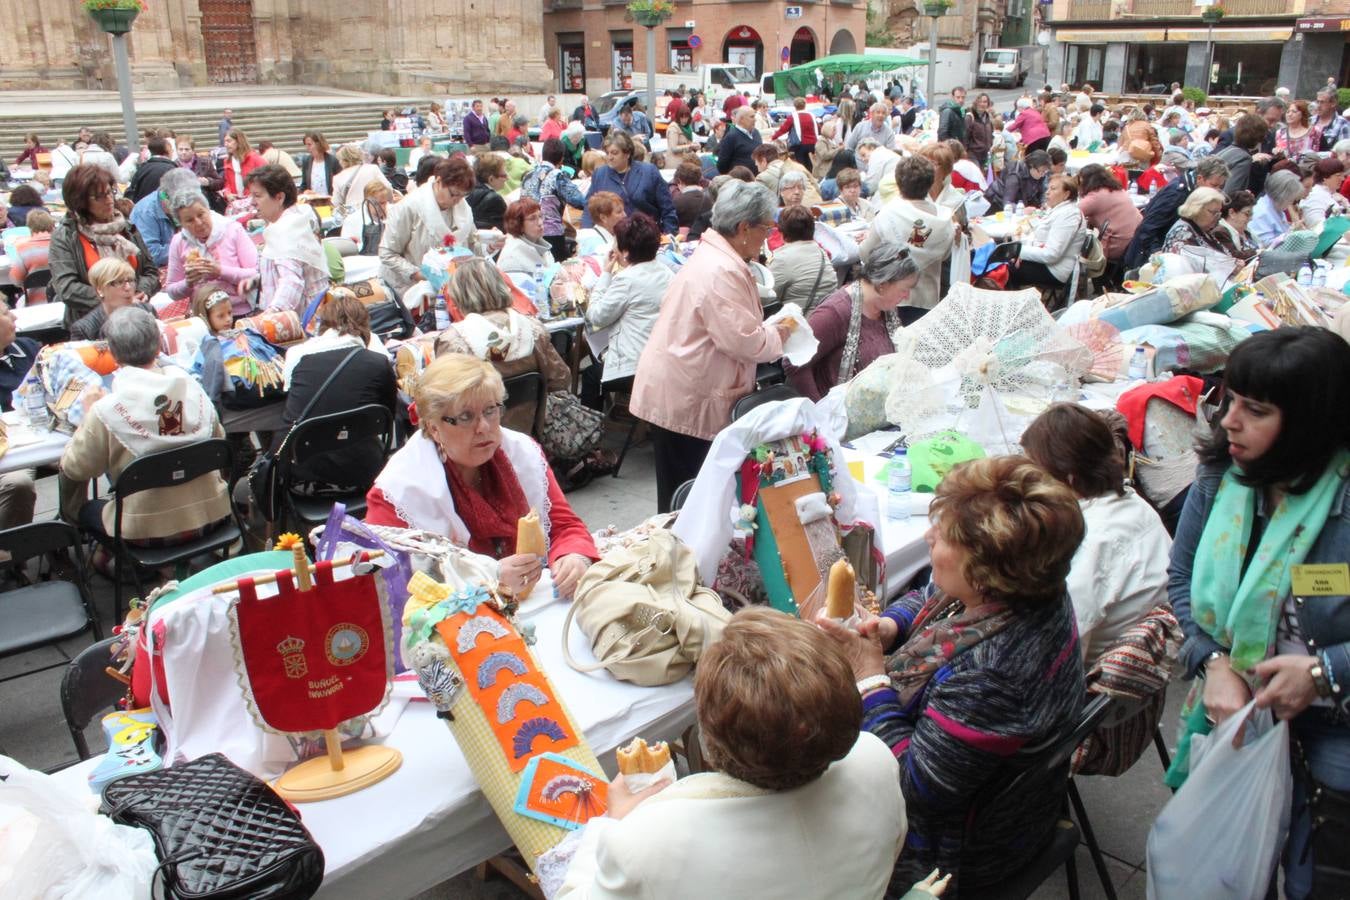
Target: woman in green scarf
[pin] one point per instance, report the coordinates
(1258, 579)
(680, 132)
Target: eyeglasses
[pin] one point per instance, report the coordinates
(123, 282)
(491, 413)
(105, 194)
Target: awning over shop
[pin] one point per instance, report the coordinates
(1231, 35)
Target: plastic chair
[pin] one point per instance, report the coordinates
(170, 468)
(526, 401)
(771, 394)
(317, 436)
(48, 611)
(87, 690)
(681, 494)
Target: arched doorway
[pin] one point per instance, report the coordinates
(843, 43)
(742, 46)
(803, 48)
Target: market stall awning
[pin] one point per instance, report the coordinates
(804, 79)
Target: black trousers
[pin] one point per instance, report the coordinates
(1029, 273)
(802, 154)
(678, 459)
(559, 244)
(1038, 144)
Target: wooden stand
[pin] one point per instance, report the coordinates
(338, 773)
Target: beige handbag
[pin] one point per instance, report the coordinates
(645, 613)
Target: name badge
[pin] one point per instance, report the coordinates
(1329, 580)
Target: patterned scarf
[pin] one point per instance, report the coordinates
(848, 362)
(492, 512)
(109, 238)
(942, 631)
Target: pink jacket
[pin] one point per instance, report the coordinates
(236, 253)
(702, 353)
(1030, 125)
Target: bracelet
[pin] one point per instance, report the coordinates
(1200, 671)
(873, 682)
(1321, 682)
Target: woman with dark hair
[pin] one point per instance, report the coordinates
(802, 272)
(549, 186)
(317, 175)
(1119, 574)
(984, 663)
(855, 324)
(93, 229)
(914, 221)
(639, 184)
(626, 299)
(1249, 131)
(485, 199)
(424, 220)
(1272, 494)
(980, 130)
(1232, 233)
(32, 146)
(1324, 200)
(292, 268)
(680, 131)
(22, 201)
(1298, 135)
(1106, 207)
(525, 249)
(240, 160)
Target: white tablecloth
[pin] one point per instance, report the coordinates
(428, 821)
(900, 540)
(39, 316)
(359, 268)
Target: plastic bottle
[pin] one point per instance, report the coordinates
(35, 404)
(1134, 187)
(540, 292)
(898, 486)
(1304, 275)
(442, 315)
(1139, 364)
(1017, 210)
(1320, 274)
(1153, 189)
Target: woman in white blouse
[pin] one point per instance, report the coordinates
(426, 219)
(1048, 257)
(1325, 200)
(626, 299)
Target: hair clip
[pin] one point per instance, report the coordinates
(216, 298)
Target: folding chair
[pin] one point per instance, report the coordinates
(87, 690)
(526, 402)
(320, 436)
(770, 394)
(50, 610)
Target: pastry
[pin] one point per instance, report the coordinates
(790, 324)
(530, 535)
(641, 758)
(839, 596)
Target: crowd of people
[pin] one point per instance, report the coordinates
(1041, 564)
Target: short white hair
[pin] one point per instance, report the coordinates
(738, 202)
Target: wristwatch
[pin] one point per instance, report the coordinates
(872, 682)
(1320, 680)
(1200, 672)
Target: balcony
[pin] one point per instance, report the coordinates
(1090, 10)
(1102, 10)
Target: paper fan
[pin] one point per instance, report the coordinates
(1103, 340)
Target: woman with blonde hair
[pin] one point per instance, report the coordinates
(463, 475)
(114, 282)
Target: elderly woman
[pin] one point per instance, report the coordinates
(424, 220)
(708, 338)
(486, 199)
(915, 221)
(240, 160)
(606, 211)
(553, 125)
(1272, 218)
(463, 475)
(525, 250)
(292, 268)
(1108, 208)
(791, 189)
(984, 663)
(208, 247)
(349, 184)
(549, 186)
(802, 272)
(1022, 182)
(1199, 216)
(741, 821)
(1140, 139)
(850, 186)
(1325, 200)
(626, 299)
(150, 408)
(638, 184)
(855, 324)
(1047, 258)
(1274, 473)
(1232, 233)
(1119, 574)
(93, 229)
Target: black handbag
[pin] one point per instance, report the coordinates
(219, 832)
(264, 476)
(372, 231)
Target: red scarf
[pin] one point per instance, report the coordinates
(492, 512)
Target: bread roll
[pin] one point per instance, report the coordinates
(839, 595)
(530, 535)
(641, 758)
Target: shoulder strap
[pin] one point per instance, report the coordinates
(327, 381)
(820, 275)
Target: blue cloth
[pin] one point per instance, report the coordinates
(155, 226)
(1268, 223)
(642, 189)
(1160, 215)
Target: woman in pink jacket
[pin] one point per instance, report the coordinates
(710, 334)
(1031, 126)
(208, 247)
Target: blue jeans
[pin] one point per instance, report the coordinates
(1327, 747)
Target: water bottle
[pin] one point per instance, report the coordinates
(540, 292)
(442, 315)
(35, 405)
(1134, 187)
(1139, 364)
(1304, 276)
(898, 485)
(1320, 274)
(1153, 189)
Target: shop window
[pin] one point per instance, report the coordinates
(622, 66)
(1083, 65)
(1246, 70)
(572, 66)
(1151, 68)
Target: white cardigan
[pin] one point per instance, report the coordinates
(1057, 240)
(520, 256)
(710, 835)
(629, 303)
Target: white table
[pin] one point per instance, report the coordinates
(30, 447)
(360, 268)
(1001, 226)
(39, 316)
(901, 541)
(428, 821)
(1079, 159)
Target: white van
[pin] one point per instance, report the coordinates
(1004, 66)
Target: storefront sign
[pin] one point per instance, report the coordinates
(793, 12)
(1336, 23)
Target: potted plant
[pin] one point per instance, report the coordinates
(651, 12)
(114, 16)
(934, 7)
(1211, 14)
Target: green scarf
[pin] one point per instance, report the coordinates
(688, 131)
(1240, 609)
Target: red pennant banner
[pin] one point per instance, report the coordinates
(313, 658)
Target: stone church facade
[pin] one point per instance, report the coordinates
(412, 47)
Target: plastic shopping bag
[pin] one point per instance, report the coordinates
(1221, 835)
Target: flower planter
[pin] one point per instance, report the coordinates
(115, 20)
(938, 8)
(648, 17)
(1211, 16)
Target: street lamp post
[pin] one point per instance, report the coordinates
(649, 14)
(1210, 15)
(115, 21)
(934, 9)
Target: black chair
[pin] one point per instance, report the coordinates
(1037, 761)
(622, 387)
(772, 308)
(87, 690)
(526, 401)
(771, 394)
(318, 436)
(49, 610)
(170, 468)
(681, 494)
(39, 278)
(769, 374)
